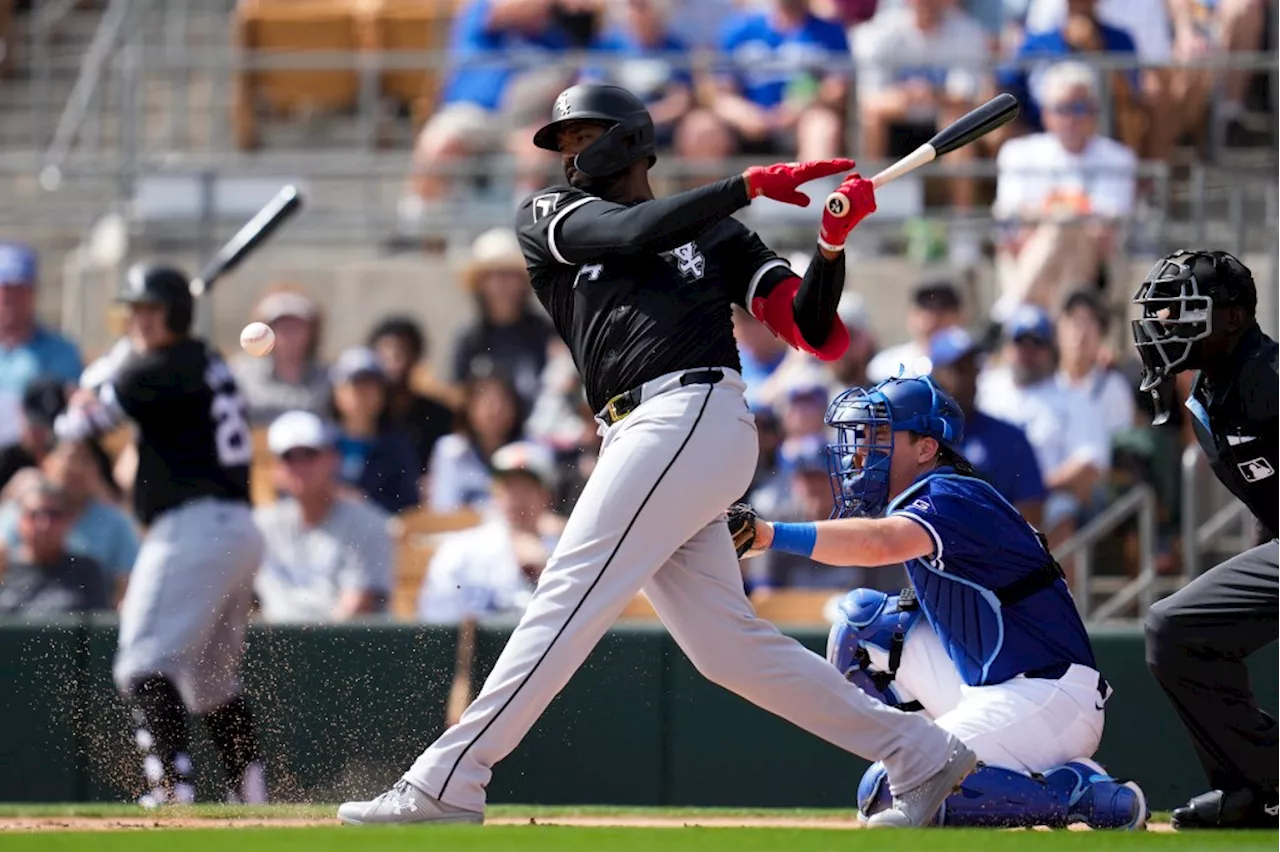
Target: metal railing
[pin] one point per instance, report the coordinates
(1197, 534)
(1140, 503)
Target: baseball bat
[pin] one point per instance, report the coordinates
(977, 123)
(277, 211)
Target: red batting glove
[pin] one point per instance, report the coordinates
(861, 198)
(780, 180)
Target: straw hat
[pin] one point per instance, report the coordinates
(497, 249)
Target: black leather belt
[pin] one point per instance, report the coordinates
(625, 403)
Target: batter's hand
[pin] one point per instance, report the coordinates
(780, 180)
(859, 202)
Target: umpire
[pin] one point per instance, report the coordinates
(1199, 313)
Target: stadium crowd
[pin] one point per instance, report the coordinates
(498, 426)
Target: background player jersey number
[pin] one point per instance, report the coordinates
(231, 428)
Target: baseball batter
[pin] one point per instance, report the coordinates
(1001, 658)
(641, 290)
(183, 617)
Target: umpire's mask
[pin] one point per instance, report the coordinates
(1178, 298)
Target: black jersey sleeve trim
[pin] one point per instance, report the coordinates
(776, 263)
(585, 595)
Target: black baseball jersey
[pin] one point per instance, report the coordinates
(1236, 426)
(192, 425)
(643, 290)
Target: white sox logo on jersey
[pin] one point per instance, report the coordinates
(690, 261)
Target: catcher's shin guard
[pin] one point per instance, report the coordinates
(992, 797)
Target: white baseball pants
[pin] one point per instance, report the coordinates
(651, 518)
(1027, 724)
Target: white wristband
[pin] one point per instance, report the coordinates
(823, 244)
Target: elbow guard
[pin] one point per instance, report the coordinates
(777, 311)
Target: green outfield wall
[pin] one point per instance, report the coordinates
(344, 709)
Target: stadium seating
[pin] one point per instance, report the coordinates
(417, 534)
(408, 25)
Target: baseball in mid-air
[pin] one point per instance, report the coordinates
(257, 339)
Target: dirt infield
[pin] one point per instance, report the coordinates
(70, 823)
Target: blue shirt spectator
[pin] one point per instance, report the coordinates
(763, 61)
(998, 450)
(27, 350)
(1024, 82)
(485, 56)
(650, 61)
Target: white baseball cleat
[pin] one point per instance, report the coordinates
(403, 804)
(916, 807)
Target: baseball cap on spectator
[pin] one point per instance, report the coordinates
(17, 265)
(42, 401)
(295, 430)
(1030, 321)
(936, 296)
(808, 389)
(804, 455)
(358, 362)
(948, 346)
(525, 457)
(287, 303)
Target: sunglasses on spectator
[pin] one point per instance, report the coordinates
(1076, 109)
(300, 454)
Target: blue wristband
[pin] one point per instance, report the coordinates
(795, 538)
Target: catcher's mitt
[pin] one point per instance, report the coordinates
(742, 526)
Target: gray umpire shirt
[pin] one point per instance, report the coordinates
(305, 570)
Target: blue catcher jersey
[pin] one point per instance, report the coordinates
(983, 552)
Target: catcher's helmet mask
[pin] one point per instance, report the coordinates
(160, 284)
(628, 139)
(1178, 298)
(865, 421)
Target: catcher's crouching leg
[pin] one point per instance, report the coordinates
(992, 797)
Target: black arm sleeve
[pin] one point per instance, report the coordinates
(818, 297)
(602, 227)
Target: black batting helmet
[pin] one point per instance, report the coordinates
(629, 139)
(158, 284)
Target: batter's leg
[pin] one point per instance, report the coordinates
(699, 596)
(667, 471)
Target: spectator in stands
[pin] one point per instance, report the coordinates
(1062, 196)
(40, 577)
(1065, 428)
(509, 336)
(1147, 23)
(653, 63)
(768, 473)
(933, 307)
(27, 349)
(804, 411)
(376, 458)
(1082, 327)
(780, 89)
(42, 401)
(1204, 28)
(96, 527)
(919, 67)
(291, 377)
(998, 450)
(761, 355)
(504, 74)
(459, 475)
(563, 422)
(401, 346)
(1079, 32)
(494, 568)
(328, 554)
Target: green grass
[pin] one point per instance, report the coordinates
(327, 811)
(538, 838)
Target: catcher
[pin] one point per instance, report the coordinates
(1000, 659)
